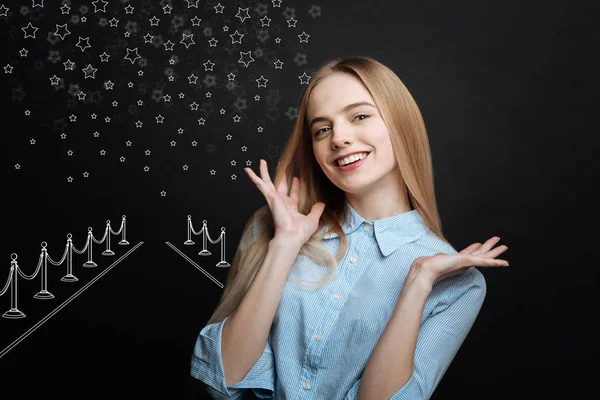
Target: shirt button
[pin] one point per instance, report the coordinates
(318, 336)
(337, 296)
(353, 259)
(367, 227)
(307, 385)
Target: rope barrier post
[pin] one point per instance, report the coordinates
(44, 294)
(14, 312)
(69, 277)
(108, 251)
(89, 263)
(223, 263)
(204, 252)
(189, 240)
(123, 241)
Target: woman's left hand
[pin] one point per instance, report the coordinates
(441, 266)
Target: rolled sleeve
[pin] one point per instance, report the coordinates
(207, 366)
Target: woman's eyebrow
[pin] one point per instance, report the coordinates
(345, 109)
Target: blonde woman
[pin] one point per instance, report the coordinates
(385, 316)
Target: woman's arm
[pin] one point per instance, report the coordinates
(246, 331)
(391, 363)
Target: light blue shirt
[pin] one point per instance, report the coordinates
(321, 340)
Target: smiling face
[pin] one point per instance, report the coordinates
(338, 128)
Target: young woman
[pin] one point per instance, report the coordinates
(392, 308)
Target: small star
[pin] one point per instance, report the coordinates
(29, 30)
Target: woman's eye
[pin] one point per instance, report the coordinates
(359, 115)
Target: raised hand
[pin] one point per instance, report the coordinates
(289, 222)
(441, 266)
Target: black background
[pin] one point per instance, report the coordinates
(507, 90)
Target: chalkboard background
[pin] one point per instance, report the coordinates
(107, 121)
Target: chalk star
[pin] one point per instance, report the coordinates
(154, 21)
(8, 69)
(113, 22)
(194, 106)
(244, 60)
(238, 35)
(3, 11)
(262, 82)
(212, 42)
(242, 17)
(23, 52)
(219, 8)
(278, 64)
(192, 3)
(196, 21)
(305, 36)
(276, 3)
(159, 119)
(206, 68)
(169, 45)
(69, 65)
(187, 43)
(65, 31)
(266, 21)
(104, 57)
(167, 9)
(291, 22)
(304, 76)
(314, 11)
(132, 51)
(86, 39)
(90, 71)
(65, 9)
(129, 9)
(34, 4)
(96, 8)
(148, 38)
(29, 30)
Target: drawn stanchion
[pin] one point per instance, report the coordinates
(13, 312)
(123, 241)
(189, 240)
(88, 246)
(69, 277)
(108, 251)
(44, 294)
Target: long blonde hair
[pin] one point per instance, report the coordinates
(409, 139)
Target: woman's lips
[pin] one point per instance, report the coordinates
(353, 166)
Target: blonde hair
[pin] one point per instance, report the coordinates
(405, 124)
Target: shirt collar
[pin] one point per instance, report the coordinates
(389, 233)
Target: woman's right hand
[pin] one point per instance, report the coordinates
(289, 222)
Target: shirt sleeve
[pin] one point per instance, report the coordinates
(207, 366)
(441, 334)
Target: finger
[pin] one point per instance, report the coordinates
(264, 173)
(470, 249)
(257, 181)
(282, 187)
(471, 260)
(487, 245)
(496, 252)
(295, 192)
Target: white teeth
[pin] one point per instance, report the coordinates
(352, 158)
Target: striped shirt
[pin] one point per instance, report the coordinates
(321, 340)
